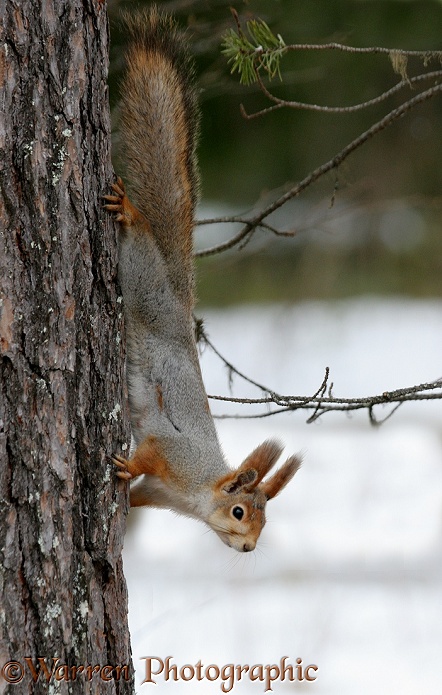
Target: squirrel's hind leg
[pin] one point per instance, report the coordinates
(119, 204)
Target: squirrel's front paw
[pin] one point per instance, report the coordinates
(122, 465)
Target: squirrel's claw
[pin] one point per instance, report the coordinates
(115, 202)
(120, 205)
(111, 198)
(119, 187)
(121, 463)
(123, 476)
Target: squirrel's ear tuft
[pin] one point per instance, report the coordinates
(279, 480)
(263, 458)
(238, 480)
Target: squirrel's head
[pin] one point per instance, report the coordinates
(240, 497)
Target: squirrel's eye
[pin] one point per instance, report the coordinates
(238, 512)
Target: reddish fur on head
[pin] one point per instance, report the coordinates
(243, 489)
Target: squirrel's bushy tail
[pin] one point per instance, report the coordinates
(159, 126)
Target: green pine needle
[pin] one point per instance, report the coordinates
(248, 56)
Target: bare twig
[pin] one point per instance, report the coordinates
(251, 225)
(203, 337)
(283, 103)
(321, 405)
(333, 46)
(318, 402)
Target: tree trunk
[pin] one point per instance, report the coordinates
(62, 411)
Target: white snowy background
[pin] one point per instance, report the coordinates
(348, 572)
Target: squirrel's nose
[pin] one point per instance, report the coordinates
(247, 547)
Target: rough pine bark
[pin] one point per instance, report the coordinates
(62, 412)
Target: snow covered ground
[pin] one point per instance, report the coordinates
(348, 574)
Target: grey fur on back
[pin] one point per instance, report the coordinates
(159, 125)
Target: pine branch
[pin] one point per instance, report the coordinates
(257, 54)
(257, 50)
(260, 50)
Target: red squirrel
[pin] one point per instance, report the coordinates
(178, 453)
